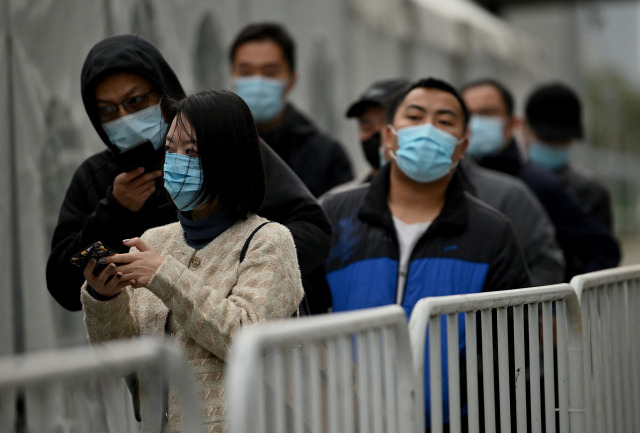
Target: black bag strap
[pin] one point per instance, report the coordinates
(245, 247)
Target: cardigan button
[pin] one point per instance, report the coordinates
(195, 262)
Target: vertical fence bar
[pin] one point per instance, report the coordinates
(435, 374)
(534, 367)
(633, 291)
(473, 402)
(590, 414)
(607, 357)
(453, 360)
(597, 366)
(503, 368)
(621, 348)
(547, 351)
(364, 375)
(261, 409)
(627, 344)
(520, 369)
(563, 395)
(280, 400)
(346, 385)
(316, 399)
(332, 377)
(391, 395)
(374, 342)
(297, 383)
(487, 372)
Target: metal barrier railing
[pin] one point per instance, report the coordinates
(467, 323)
(37, 378)
(343, 372)
(610, 303)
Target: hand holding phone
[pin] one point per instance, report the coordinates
(96, 251)
(141, 154)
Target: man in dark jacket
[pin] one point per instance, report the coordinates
(505, 193)
(553, 122)
(415, 232)
(263, 70)
(125, 81)
(587, 243)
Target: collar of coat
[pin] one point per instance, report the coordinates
(453, 216)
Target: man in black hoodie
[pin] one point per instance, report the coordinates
(125, 84)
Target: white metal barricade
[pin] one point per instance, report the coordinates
(37, 377)
(339, 373)
(610, 303)
(477, 329)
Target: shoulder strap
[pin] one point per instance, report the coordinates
(245, 247)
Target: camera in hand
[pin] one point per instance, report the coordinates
(141, 154)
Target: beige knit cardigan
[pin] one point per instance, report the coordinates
(211, 295)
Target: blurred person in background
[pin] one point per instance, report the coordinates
(220, 268)
(587, 243)
(553, 124)
(263, 71)
(369, 111)
(126, 85)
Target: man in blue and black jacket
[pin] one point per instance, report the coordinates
(414, 231)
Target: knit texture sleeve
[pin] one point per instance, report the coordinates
(108, 320)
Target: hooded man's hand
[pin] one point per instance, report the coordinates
(132, 189)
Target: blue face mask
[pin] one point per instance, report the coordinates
(264, 96)
(424, 152)
(548, 156)
(135, 127)
(487, 136)
(182, 179)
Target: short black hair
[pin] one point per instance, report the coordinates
(228, 149)
(426, 83)
(505, 94)
(266, 32)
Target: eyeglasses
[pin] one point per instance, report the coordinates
(135, 103)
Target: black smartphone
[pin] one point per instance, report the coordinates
(141, 154)
(96, 250)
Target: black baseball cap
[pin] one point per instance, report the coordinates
(377, 94)
(554, 112)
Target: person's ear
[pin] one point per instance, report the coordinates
(292, 82)
(512, 124)
(388, 141)
(464, 144)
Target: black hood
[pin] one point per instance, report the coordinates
(125, 53)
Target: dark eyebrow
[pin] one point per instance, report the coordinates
(417, 107)
(129, 94)
(445, 111)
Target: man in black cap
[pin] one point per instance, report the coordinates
(553, 124)
(369, 109)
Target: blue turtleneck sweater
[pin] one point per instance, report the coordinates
(198, 233)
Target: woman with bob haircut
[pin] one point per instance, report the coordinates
(219, 268)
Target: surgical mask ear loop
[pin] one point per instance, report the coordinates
(392, 154)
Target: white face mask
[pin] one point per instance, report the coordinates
(264, 96)
(147, 124)
(424, 152)
(487, 136)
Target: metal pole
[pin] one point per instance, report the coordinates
(16, 283)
